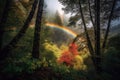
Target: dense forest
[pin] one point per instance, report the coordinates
(37, 43)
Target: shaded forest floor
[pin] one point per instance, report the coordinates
(44, 73)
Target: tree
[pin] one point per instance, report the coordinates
(111, 58)
(97, 19)
(109, 24)
(97, 36)
(58, 19)
(36, 42)
(88, 5)
(86, 32)
(5, 51)
(3, 20)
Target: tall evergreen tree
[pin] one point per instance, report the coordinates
(36, 42)
(58, 19)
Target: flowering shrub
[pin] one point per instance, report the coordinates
(73, 48)
(69, 57)
(66, 58)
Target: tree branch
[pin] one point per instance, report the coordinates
(108, 26)
(86, 32)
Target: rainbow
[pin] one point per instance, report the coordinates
(63, 28)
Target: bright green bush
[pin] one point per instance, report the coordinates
(21, 64)
(53, 48)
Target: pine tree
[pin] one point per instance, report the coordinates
(36, 42)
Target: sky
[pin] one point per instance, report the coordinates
(54, 5)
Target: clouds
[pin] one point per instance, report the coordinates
(53, 6)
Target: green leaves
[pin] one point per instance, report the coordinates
(22, 64)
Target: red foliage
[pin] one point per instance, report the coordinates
(73, 49)
(68, 56)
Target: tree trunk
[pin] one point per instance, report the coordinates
(36, 42)
(90, 47)
(97, 39)
(5, 51)
(4, 20)
(108, 26)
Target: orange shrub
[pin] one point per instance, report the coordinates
(68, 56)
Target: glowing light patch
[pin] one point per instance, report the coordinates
(63, 28)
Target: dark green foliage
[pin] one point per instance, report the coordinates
(114, 42)
(111, 61)
(111, 64)
(66, 73)
(20, 58)
(15, 17)
(19, 64)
